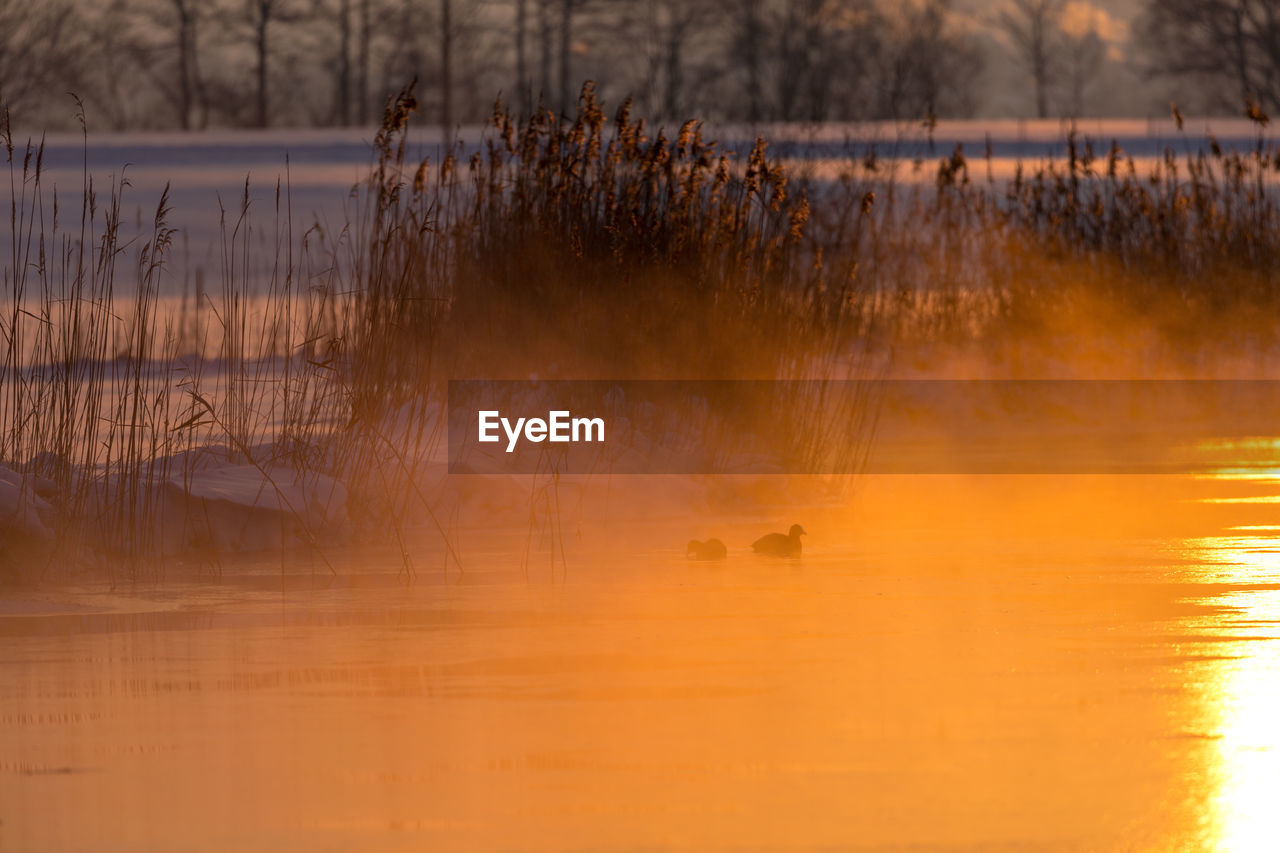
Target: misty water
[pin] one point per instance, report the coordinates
(990, 662)
(955, 663)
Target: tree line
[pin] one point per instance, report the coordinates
(192, 64)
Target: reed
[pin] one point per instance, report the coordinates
(587, 247)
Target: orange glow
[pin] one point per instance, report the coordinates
(1034, 678)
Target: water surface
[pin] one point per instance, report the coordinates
(1031, 663)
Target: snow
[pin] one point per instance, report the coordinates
(235, 508)
(22, 510)
(276, 490)
(206, 172)
(219, 509)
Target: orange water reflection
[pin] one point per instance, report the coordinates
(992, 673)
(1245, 685)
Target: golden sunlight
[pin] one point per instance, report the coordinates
(650, 425)
(1243, 691)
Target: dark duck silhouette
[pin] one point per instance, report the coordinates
(779, 545)
(712, 549)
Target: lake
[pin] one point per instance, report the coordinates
(955, 663)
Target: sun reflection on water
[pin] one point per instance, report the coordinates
(1252, 556)
(1246, 689)
(1249, 749)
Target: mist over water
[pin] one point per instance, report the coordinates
(1037, 662)
(973, 649)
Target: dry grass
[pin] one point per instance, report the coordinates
(570, 249)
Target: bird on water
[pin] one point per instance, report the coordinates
(712, 549)
(780, 545)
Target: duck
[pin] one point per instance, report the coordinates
(780, 545)
(712, 549)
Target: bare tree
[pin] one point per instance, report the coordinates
(924, 69)
(546, 48)
(819, 60)
(149, 47)
(446, 71)
(259, 20)
(1033, 27)
(567, 12)
(407, 39)
(363, 58)
(348, 51)
(677, 22)
(756, 59)
(747, 51)
(39, 52)
(480, 57)
(523, 98)
(790, 56)
(452, 47)
(184, 18)
(260, 15)
(340, 16)
(1084, 54)
(1227, 45)
(663, 31)
(116, 55)
(824, 46)
(407, 36)
(113, 47)
(763, 56)
(567, 8)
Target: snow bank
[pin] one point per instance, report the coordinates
(23, 512)
(242, 507)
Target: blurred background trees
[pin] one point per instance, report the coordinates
(192, 64)
(1033, 25)
(41, 49)
(1232, 45)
